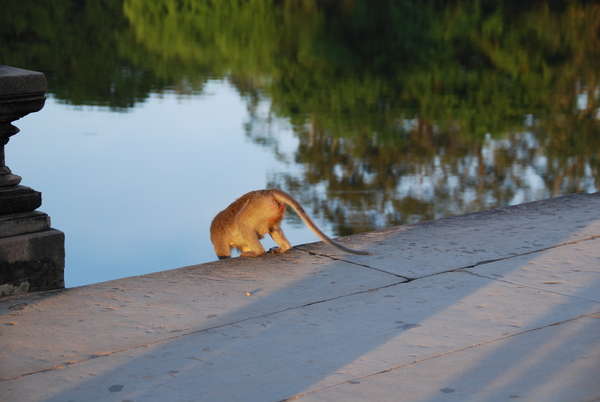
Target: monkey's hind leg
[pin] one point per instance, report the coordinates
(279, 237)
(252, 247)
(253, 252)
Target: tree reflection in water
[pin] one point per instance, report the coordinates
(404, 111)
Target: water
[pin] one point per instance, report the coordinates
(159, 117)
(136, 192)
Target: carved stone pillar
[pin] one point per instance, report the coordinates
(32, 254)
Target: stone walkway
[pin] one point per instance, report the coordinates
(492, 306)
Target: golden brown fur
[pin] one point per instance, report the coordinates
(243, 223)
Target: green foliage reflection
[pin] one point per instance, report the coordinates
(378, 92)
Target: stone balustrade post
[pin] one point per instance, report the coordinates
(32, 254)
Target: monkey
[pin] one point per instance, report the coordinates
(243, 223)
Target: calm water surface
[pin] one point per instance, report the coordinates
(372, 114)
(136, 192)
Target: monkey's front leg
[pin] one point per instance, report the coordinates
(279, 237)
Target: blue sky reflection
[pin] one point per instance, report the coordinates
(135, 192)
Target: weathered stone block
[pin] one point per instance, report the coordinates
(32, 262)
(17, 199)
(21, 92)
(18, 224)
(32, 255)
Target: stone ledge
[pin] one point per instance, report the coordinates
(18, 224)
(32, 262)
(17, 81)
(503, 305)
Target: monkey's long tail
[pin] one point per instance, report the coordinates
(284, 197)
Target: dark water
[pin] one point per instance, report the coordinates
(396, 112)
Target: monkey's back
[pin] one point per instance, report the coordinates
(258, 209)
